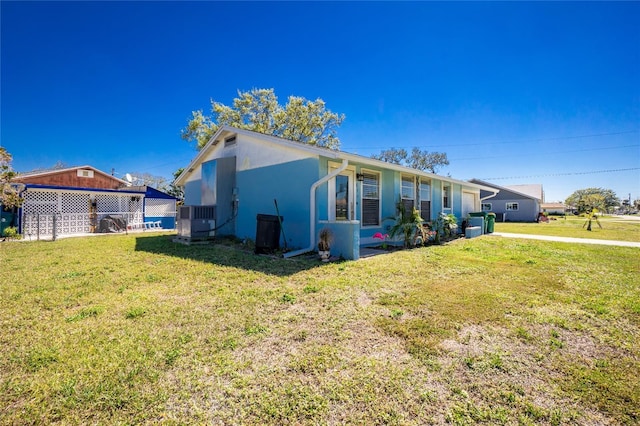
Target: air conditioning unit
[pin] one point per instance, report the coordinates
(196, 222)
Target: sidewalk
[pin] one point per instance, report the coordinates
(568, 239)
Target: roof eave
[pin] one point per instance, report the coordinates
(319, 151)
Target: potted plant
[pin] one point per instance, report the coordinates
(325, 238)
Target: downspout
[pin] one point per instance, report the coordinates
(495, 192)
(312, 210)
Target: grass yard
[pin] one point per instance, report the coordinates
(135, 329)
(613, 228)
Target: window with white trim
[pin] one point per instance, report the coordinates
(446, 196)
(486, 207)
(408, 193)
(424, 192)
(370, 199)
(511, 206)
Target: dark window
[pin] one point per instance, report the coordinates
(370, 199)
(446, 197)
(512, 206)
(425, 200)
(342, 197)
(408, 208)
(425, 210)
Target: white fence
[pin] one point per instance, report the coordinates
(47, 214)
(52, 226)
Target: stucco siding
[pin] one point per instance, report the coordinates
(456, 191)
(527, 209)
(436, 198)
(288, 183)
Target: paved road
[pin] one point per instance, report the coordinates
(568, 239)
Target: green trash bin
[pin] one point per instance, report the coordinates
(491, 221)
(483, 215)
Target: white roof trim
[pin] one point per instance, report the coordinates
(319, 151)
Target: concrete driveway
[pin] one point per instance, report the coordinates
(568, 239)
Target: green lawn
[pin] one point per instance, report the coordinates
(135, 329)
(610, 228)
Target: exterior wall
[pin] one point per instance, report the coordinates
(70, 178)
(288, 183)
(436, 198)
(264, 172)
(456, 196)
(390, 192)
(389, 195)
(528, 208)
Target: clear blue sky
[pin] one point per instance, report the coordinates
(513, 92)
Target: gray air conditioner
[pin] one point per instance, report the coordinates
(196, 222)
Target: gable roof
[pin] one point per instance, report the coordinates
(225, 131)
(504, 188)
(39, 173)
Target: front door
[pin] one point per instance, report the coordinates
(341, 196)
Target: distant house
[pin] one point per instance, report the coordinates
(554, 208)
(241, 173)
(72, 177)
(518, 203)
(74, 200)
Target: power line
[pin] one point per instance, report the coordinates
(559, 138)
(563, 174)
(547, 153)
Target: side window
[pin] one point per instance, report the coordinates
(446, 196)
(425, 199)
(512, 206)
(370, 199)
(408, 192)
(486, 207)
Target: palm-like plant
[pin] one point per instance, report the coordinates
(444, 225)
(407, 225)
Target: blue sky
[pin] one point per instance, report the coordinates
(513, 92)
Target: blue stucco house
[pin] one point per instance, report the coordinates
(242, 172)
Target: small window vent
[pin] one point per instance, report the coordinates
(85, 173)
(230, 141)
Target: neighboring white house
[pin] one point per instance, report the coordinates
(554, 208)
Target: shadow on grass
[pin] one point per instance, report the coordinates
(226, 253)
